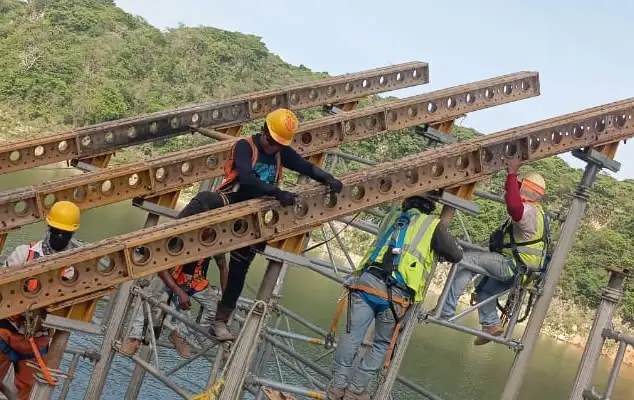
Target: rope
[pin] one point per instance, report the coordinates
(40, 361)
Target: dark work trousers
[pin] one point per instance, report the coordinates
(240, 259)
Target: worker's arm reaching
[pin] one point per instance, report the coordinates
(183, 297)
(512, 198)
(293, 161)
(445, 245)
(250, 183)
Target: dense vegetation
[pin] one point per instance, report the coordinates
(74, 62)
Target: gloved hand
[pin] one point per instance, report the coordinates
(286, 198)
(334, 184)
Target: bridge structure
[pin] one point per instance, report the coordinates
(115, 270)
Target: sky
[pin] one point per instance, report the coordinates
(580, 48)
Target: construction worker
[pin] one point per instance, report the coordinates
(254, 169)
(180, 284)
(21, 335)
(520, 244)
(390, 278)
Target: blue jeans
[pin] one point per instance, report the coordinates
(502, 278)
(358, 379)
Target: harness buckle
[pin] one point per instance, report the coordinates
(329, 341)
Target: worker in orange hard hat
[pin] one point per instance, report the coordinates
(254, 169)
(520, 246)
(15, 338)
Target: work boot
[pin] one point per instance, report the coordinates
(334, 393)
(130, 346)
(350, 395)
(180, 344)
(495, 330)
(218, 328)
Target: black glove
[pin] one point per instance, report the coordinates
(334, 184)
(285, 198)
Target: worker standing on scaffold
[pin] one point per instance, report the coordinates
(22, 337)
(520, 244)
(391, 277)
(254, 170)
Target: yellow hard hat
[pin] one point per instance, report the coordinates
(64, 215)
(535, 183)
(282, 124)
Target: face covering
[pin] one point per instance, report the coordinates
(58, 239)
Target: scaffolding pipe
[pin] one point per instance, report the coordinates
(610, 297)
(311, 394)
(159, 376)
(616, 368)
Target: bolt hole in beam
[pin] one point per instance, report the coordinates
(357, 192)
(106, 265)
(240, 227)
(300, 209)
(141, 255)
(271, 217)
(208, 236)
(20, 208)
(175, 245)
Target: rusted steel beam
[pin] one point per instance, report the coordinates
(150, 250)
(177, 170)
(109, 136)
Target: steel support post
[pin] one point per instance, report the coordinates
(610, 298)
(106, 354)
(536, 319)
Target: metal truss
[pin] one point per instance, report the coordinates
(181, 169)
(150, 250)
(107, 137)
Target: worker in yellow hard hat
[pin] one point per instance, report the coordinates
(254, 169)
(520, 245)
(15, 348)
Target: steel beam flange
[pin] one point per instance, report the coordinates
(109, 136)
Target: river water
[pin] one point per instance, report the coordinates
(442, 360)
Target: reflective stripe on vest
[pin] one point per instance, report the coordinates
(531, 255)
(198, 281)
(416, 256)
(231, 173)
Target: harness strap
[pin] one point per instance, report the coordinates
(15, 356)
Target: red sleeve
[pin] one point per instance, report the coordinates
(514, 205)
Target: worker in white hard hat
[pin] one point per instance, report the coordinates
(520, 244)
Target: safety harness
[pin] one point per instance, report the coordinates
(30, 321)
(396, 236)
(524, 274)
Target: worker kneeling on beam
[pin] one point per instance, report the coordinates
(254, 169)
(22, 336)
(520, 245)
(391, 277)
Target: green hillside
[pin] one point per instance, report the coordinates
(67, 63)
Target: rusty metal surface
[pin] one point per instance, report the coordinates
(180, 169)
(154, 249)
(109, 136)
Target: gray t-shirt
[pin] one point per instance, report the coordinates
(526, 228)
